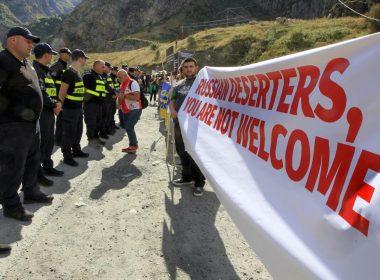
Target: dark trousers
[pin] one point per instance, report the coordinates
(19, 161)
(153, 95)
(130, 121)
(92, 118)
(106, 113)
(72, 129)
(47, 121)
(113, 112)
(121, 118)
(190, 170)
(58, 129)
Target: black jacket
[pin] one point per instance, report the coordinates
(89, 80)
(20, 93)
(42, 73)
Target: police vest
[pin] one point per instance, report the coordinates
(110, 82)
(100, 89)
(78, 93)
(59, 82)
(50, 87)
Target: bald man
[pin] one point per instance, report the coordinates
(20, 109)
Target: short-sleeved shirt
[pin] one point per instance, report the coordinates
(180, 91)
(128, 87)
(20, 93)
(70, 77)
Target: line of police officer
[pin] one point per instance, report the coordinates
(30, 97)
(99, 105)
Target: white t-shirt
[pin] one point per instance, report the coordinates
(131, 104)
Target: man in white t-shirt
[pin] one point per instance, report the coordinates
(129, 100)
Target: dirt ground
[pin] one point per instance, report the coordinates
(116, 216)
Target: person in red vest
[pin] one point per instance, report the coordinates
(129, 100)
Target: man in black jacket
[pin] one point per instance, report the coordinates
(51, 106)
(20, 109)
(93, 104)
(57, 70)
(107, 114)
(71, 94)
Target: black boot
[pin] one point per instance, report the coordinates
(53, 172)
(5, 248)
(43, 181)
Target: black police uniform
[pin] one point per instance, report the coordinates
(116, 86)
(57, 70)
(47, 119)
(20, 109)
(94, 98)
(72, 115)
(107, 117)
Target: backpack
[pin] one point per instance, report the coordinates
(144, 101)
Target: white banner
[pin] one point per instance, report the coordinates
(292, 148)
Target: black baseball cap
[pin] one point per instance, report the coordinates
(22, 31)
(65, 50)
(42, 48)
(115, 68)
(124, 66)
(108, 64)
(77, 53)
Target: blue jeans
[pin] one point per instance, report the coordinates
(130, 120)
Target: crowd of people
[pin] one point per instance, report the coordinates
(42, 106)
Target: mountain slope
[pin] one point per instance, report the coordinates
(7, 19)
(99, 21)
(28, 10)
(247, 43)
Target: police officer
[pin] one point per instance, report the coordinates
(71, 94)
(108, 121)
(56, 71)
(94, 98)
(20, 109)
(44, 53)
(116, 86)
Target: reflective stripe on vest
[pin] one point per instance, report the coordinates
(101, 88)
(110, 82)
(50, 87)
(59, 82)
(78, 94)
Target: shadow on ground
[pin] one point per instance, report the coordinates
(117, 176)
(191, 241)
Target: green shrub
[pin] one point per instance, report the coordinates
(191, 42)
(154, 46)
(331, 35)
(298, 41)
(374, 12)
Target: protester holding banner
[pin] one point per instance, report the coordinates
(190, 170)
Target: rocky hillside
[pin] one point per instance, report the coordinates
(97, 22)
(41, 16)
(7, 19)
(28, 10)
